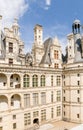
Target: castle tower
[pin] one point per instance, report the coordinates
(15, 27)
(76, 29)
(38, 48)
(38, 34)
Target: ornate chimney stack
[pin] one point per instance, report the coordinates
(0, 34)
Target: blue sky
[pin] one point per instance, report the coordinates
(56, 17)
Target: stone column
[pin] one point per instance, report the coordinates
(8, 80)
(21, 80)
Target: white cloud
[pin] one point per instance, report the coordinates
(48, 2)
(11, 9)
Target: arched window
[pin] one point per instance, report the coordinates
(26, 80)
(42, 80)
(35, 81)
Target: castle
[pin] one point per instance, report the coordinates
(43, 85)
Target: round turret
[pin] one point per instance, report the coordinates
(76, 26)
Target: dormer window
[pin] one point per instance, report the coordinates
(56, 54)
(10, 47)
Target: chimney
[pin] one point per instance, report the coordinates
(0, 22)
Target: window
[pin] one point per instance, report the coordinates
(64, 113)
(63, 76)
(63, 98)
(58, 96)
(10, 47)
(43, 98)
(58, 80)
(64, 106)
(26, 100)
(78, 99)
(35, 99)
(27, 119)
(0, 119)
(78, 82)
(10, 61)
(78, 116)
(56, 55)
(51, 80)
(43, 115)
(35, 114)
(78, 75)
(35, 81)
(64, 83)
(26, 81)
(42, 80)
(58, 110)
(51, 96)
(52, 115)
(14, 116)
(14, 125)
(78, 91)
(56, 66)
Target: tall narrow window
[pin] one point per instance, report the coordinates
(78, 99)
(43, 115)
(51, 80)
(35, 99)
(26, 100)
(43, 98)
(51, 96)
(27, 119)
(14, 125)
(58, 80)
(58, 110)
(56, 55)
(78, 82)
(35, 114)
(26, 81)
(78, 115)
(42, 80)
(52, 114)
(58, 96)
(10, 47)
(35, 81)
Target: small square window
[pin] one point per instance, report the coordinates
(14, 116)
(78, 75)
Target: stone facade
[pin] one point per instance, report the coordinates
(42, 85)
(30, 91)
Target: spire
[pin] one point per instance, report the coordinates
(15, 26)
